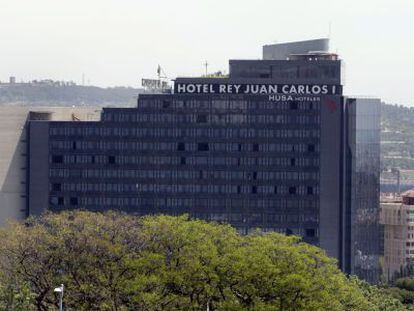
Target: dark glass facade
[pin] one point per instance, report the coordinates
(364, 117)
(246, 161)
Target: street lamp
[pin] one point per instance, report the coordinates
(60, 291)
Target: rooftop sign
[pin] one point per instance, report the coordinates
(228, 88)
(154, 84)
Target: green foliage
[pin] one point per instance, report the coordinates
(379, 299)
(17, 297)
(405, 283)
(397, 125)
(87, 252)
(113, 261)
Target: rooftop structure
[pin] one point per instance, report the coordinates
(285, 51)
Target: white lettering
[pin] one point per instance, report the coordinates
(273, 88)
(191, 88)
(254, 89)
(301, 89)
(181, 88)
(263, 89)
(237, 88)
(293, 89)
(285, 89)
(316, 89)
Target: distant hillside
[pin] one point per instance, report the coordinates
(65, 94)
(397, 136)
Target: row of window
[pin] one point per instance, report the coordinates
(164, 132)
(190, 160)
(236, 118)
(225, 104)
(180, 146)
(183, 188)
(293, 206)
(305, 207)
(184, 174)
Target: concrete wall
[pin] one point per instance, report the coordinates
(331, 189)
(14, 152)
(13, 166)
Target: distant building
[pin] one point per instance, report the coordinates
(274, 146)
(397, 217)
(12, 80)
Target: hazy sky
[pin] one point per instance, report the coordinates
(119, 42)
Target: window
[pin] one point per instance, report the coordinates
(311, 148)
(292, 190)
(74, 201)
(254, 189)
(292, 162)
(166, 104)
(201, 118)
(310, 233)
(255, 147)
(203, 147)
(293, 105)
(57, 159)
(181, 147)
(182, 160)
(111, 159)
(56, 187)
(61, 201)
(310, 190)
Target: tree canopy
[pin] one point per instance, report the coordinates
(114, 261)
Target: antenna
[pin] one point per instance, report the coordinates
(160, 73)
(329, 30)
(206, 65)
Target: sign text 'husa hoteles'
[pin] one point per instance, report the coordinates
(228, 88)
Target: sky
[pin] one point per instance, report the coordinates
(118, 42)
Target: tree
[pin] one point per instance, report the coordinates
(114, 261)
(85, 251)
(379, 299)
(190, 265)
